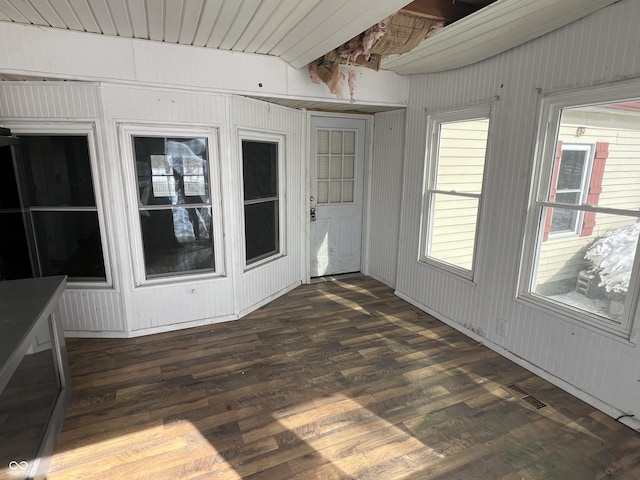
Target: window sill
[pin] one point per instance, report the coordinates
(80, 285)
(594, 324)
(263, 262)
(179, 279)
(464, 276)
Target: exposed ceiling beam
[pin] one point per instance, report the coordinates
(447, 10)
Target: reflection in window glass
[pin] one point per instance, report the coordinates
(177, 240)
(596, 179)
(174, 204)
(261, 199)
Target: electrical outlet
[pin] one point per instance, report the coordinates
(501, 327)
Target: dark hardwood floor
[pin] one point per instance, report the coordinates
(336, 380)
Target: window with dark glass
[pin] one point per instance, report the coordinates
(60, 203)
(15, 259)
(261, 199)
(174, 203)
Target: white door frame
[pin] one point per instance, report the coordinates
(366, 196)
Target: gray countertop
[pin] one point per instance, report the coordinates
(22, 304)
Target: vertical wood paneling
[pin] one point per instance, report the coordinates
(48, 100)
(95, 311)
(600, 48)
(260, 283)
(386, 195)
(84, 310)
(180, 301)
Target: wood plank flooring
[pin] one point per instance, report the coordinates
(336, 380)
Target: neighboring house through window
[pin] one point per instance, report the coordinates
(580, 260)
(454, 175)
(577, 178)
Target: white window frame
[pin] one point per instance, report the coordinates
(58, 128)
(550, 109)
(126, 132)
(584, 188)
(280, 140)
(434, 121)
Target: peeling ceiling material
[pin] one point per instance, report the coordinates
(404, 32)
(399, 33)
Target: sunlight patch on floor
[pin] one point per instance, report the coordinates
(178, 446)
(358, 438)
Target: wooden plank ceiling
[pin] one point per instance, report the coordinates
(300, 31)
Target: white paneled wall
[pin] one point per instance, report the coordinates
(132, 307)
(262, 283)
(32, 101)
(23, 105)
(181, 302)
(386, 194)
(92, 311)
(603, 47)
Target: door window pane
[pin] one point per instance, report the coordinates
(336, 167)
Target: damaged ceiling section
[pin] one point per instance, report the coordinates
(394, 35)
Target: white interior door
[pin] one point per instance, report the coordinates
(337, 183)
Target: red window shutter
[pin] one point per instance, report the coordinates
(552, 193)
(595, 186)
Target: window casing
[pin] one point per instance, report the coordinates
(457, 145)
(589, 272)
(177, 225)
(262, 196)
(60, 197)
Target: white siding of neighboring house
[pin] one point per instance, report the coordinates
(563, 257)
(461, 163)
